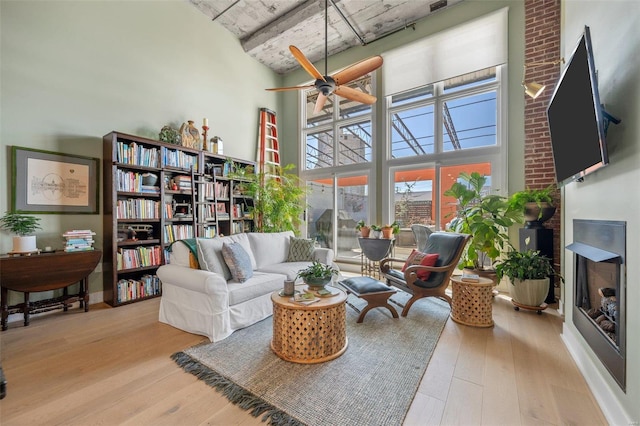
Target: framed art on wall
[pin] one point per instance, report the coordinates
(52, 182)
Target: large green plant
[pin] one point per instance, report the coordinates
(486, 217)
(20, 224)
(278, 203)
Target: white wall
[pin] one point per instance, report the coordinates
(611, 193)
(72, 71)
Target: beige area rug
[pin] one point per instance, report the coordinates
(372, 383)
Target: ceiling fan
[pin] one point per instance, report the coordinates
(328, 84)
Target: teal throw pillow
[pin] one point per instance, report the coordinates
(238, 261)
(301, 250)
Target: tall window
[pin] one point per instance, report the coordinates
(435, 133)
(338, 158)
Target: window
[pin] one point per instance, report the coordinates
(435, 133)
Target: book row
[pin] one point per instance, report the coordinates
(138, 257)
(147, 285)
(137, 208)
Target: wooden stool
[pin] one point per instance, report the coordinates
(375, 292)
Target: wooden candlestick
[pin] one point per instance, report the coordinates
(204, 143)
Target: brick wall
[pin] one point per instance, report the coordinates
(542, 44)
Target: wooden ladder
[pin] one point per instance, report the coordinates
(268, 149)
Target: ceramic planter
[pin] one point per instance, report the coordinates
(24, 244)
(530, 292)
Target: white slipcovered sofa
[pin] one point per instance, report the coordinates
(209, 301)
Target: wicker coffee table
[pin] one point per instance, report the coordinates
(309, 334)
(472, 302)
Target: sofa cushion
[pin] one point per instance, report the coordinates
(418, 258)
(269, 248)
(211, 258)
(290, 269)
(244, 242)
(301, 249)
(259, 284)
(238, 261)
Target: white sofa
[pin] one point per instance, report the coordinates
(208, 303)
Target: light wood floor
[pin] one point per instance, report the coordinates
(112, 366)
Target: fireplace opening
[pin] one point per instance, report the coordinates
(599, 290)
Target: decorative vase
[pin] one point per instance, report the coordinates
(536, 215)
(316, 283)
(530, 292)
(25, 244)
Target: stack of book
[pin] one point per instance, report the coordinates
(79, 240)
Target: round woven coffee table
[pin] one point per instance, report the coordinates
(472, 302)
(309, 334)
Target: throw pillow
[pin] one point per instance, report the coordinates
(210, 256)
(300, 250)
(418, 258)
(238, 261)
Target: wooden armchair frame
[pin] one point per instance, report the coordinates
(437, 283)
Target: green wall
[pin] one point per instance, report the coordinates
(72, 71)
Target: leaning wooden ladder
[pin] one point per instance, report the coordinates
(268, 149)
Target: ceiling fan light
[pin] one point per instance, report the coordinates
(533, 89)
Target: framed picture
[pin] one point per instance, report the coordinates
(51, 182)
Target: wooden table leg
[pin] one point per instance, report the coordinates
(5, 307)
(65, 294)
(26, 308)
(84, 294)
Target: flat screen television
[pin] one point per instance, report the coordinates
(577, 118)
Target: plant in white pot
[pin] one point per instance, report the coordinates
(23, 226)
(529, 273)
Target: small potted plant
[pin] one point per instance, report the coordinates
(376, 230)
(363, 228)
(529, 273)
(389, 230)
(317, 275)
(536, 204)
(23, 226)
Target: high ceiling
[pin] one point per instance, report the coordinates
(266, 28)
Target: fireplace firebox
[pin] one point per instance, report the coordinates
(599, 310)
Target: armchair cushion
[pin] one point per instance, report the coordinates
(301, 250)
(424, 259)
(238, 261)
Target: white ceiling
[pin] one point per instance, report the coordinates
(266, 28)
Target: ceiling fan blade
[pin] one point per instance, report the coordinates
(280, 89)
(357, 70)
(306, 64)
(354, 95)
(319, 103)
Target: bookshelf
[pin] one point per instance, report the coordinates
(156, 193)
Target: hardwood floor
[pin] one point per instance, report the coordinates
(112, 366)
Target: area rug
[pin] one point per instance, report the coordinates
(372, 383)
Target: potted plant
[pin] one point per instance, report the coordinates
(537, 205)
(23, 226)
(278, 203)
(363, 228)
(388, 231)
(529, 273)
(486, 217)
(317, 275)
(376, 230)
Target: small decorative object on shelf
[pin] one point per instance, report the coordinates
(205, 129)
(190, 135)
(170, 135)
(217, 145)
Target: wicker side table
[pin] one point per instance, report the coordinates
(472, 302)
(309, 334)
